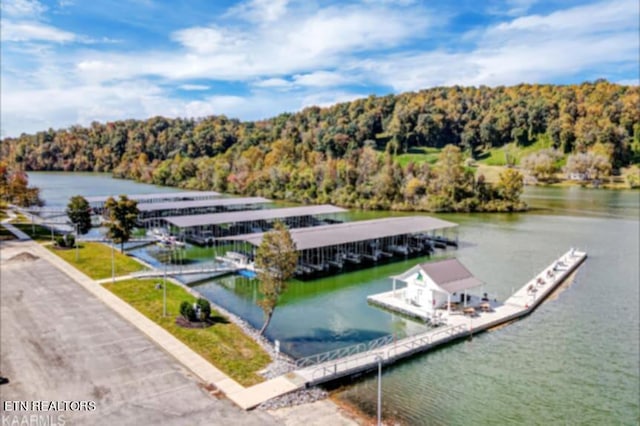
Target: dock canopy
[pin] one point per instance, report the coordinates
(350, 232)
(196, 204)
(449, 275)
(158, 197)
(251, 215)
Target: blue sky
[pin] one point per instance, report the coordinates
(67, 62)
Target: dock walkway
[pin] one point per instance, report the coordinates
(521, 303)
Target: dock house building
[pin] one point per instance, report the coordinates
(206, 228)
(429, 286)
(329, 249)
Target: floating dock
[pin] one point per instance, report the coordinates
(330, 366)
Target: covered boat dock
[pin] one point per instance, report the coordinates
(205, 228)
(97, 202)
(157, 214)
(330, 248)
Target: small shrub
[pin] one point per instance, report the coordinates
(60, 242)
(70, 240)
(205, 309)
(187, 311)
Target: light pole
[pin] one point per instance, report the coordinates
(164, 291)
(113, 263)
(76, 242)
(379, 359)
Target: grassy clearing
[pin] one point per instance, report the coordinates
(94, 259)
(224, 344)
(418, 155)
(498, 156)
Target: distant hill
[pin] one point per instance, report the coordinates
(310, 154)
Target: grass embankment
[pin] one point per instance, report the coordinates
(94, 259)
(224, 344)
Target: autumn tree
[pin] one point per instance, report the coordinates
(588, 164)
(79, 213)
(510, 185)
(276, 262)
(122, 215)
(14, 188)
(542, 164)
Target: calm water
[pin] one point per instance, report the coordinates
(574, 361)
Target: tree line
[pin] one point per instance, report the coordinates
(347, 153)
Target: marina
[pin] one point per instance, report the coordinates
(588, 322)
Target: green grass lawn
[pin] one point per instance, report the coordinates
(94, 259)
(418, 155)
(497, 156)
(224, 344)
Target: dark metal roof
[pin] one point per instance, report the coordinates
(450, 275)
(251, 215)
(184, 195)
(216, 202)
(331, 235)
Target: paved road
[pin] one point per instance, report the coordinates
(58, 342)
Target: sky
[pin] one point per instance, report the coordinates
(71, 62)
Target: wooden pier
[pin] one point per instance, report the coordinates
(365, 357)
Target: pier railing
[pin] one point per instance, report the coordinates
(344, 352)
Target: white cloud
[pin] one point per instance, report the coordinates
(295, 45)
(273, 82)
(321, 79)
(22, 8)
(33, 31)
(528, 49)
(194, 87)
(260, 11)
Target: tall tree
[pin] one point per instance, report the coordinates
(122, 218)
(79, 212)
(276, 261)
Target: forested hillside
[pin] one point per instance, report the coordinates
(348, 153)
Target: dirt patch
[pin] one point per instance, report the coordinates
(24, 256)
(99, 392)
(184, 323)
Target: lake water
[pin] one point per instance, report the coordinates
(574, 361)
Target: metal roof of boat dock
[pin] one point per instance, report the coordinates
(156, 196)
(189, 204)
(343, 233)
(251, 215)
